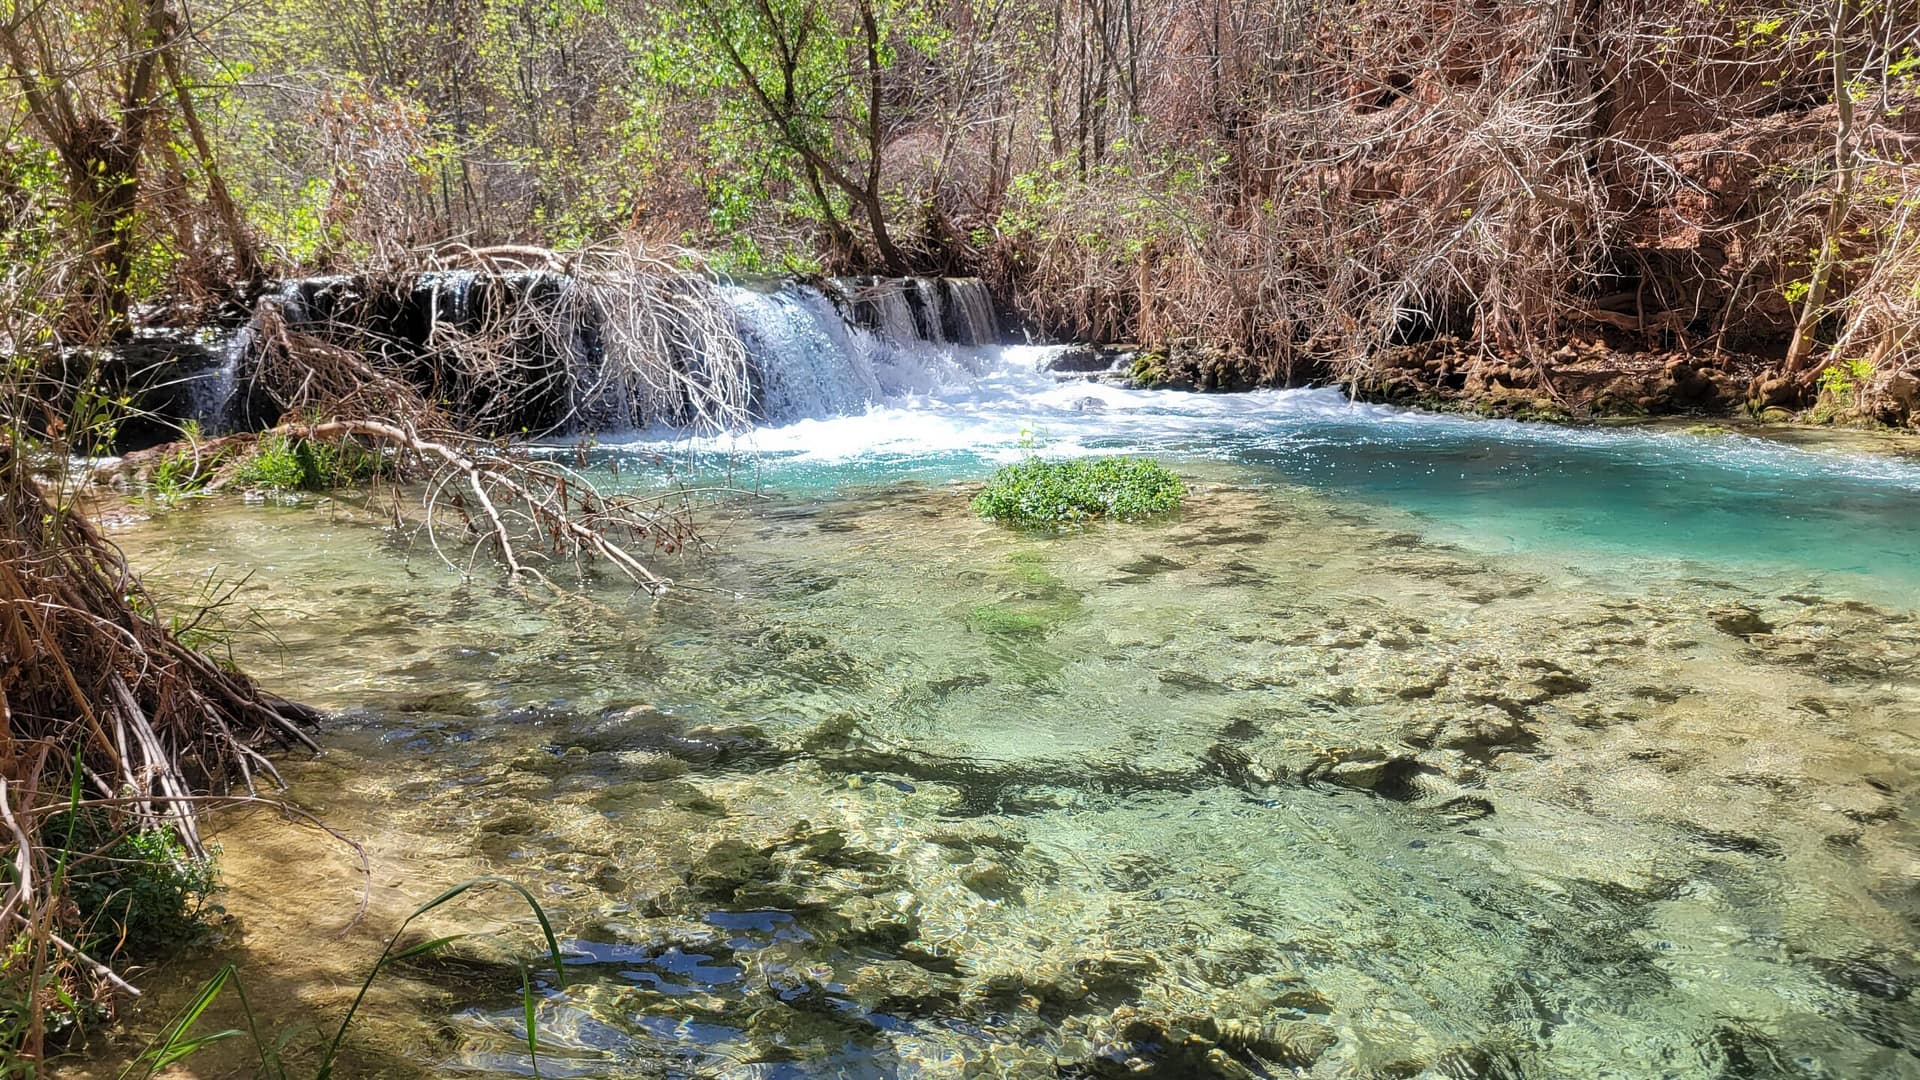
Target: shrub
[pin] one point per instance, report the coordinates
(1840, 385)
(140, 893)
(1036, 492)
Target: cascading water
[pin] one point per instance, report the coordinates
(969, 312)
(809, 361)
(890, 314)
(805, 358)
(926, 309)
(213, 397)
(207, 396)
(809, 352)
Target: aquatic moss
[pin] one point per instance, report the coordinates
(995, 619)
(1036, 492)
(1149, 369)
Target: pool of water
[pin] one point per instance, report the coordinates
(1413, 746)
(1643, 496)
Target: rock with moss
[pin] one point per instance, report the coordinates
(1038, 492)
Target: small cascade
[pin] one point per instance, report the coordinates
(924, 298)
(814, 355)
(941, 311)
(449, 295)
(208, 396)
(593, 356)
(805, 358)
(896, 316)
(969, 312)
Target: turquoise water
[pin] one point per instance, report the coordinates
(1665, 500)
(1411, 747)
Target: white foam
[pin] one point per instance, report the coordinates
(998, 402)
(836, 393)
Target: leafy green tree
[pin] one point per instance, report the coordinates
(100, 82)
(814, 75)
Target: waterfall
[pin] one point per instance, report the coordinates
(969, 311)
(206, 396)
(808, 359)
(632, 351)
(925, 301)
(890, 314)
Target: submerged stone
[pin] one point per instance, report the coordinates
(899, 986)
(1741, 622)
(726, 866)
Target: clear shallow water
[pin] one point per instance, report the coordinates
(1340, 771)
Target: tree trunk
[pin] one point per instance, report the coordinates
(1800, 352)
(246, 260)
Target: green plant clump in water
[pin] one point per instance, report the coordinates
(280, 463)
(177, 477)
(183, 473)
(1036, 492)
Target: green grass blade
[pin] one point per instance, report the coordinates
(172, 1041)
(185, 1049)
(270, 1067)
(387, 955)
(533, 1029)
(424, 947)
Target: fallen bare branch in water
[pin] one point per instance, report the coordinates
(550, 499)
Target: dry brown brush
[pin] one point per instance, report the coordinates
(1294, 190)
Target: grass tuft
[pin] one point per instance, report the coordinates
(1036, 492)
(280, 463)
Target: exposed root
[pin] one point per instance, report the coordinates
(541, 498)
(102, 707)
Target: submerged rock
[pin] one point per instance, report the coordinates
(727, 866)
(1137, 1043)
(1741, 621)
(637, 727)
(902, 987)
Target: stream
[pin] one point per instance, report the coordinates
(1414, 746)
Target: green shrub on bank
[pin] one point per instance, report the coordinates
(129, 895)
(281, 463)
(1036, 492)
(137, 893)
